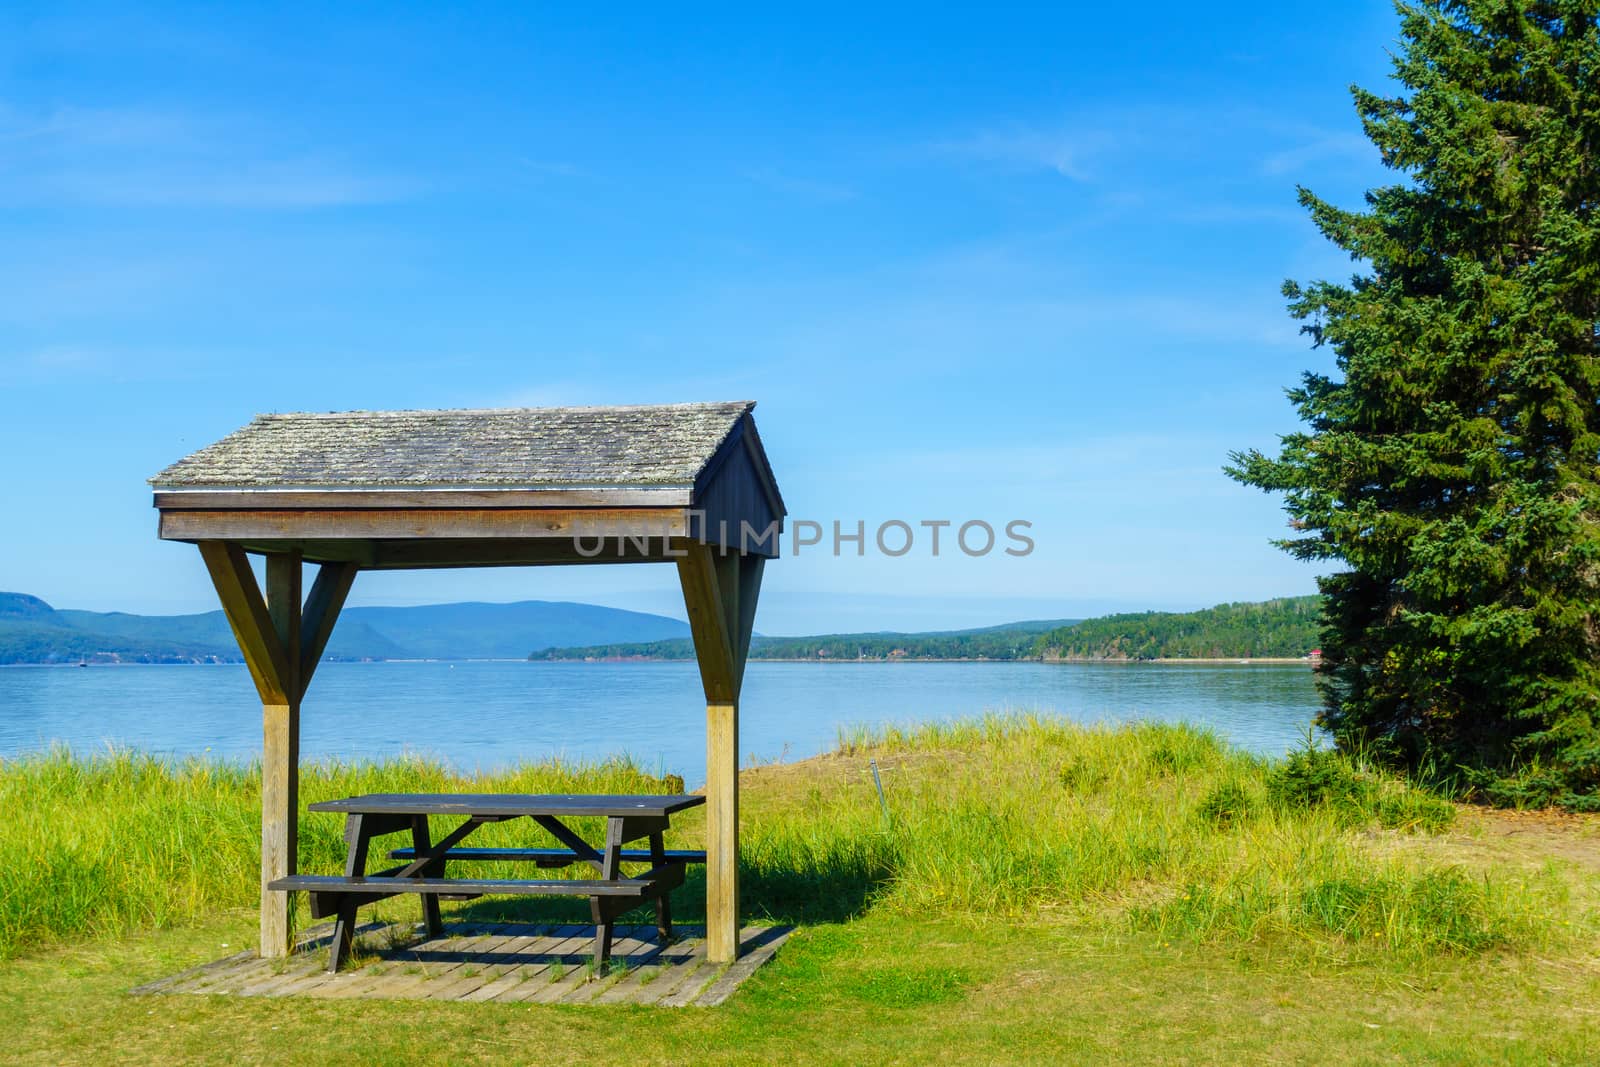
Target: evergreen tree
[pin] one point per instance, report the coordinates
(1453, 463)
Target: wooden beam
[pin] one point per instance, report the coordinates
(280, 757)
(247, 614)
(750, 568)
(417, 523)
(313, 550)
(712, 584)
(322, 609)
(284, 600)
(702, 598)
(532, 552)
(259, 499)
(727, 564)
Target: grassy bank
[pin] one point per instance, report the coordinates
(1018, 858)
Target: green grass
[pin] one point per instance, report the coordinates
(106, 845)
(1175, 832)
(1148, 885)
(1004, 816)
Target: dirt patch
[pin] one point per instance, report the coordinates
(1486, 838)
(1533, 837)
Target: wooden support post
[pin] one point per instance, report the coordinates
(281, 656)
(722, 832)
(280, 758)
(719, 591)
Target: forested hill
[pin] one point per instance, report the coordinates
(1271, 628)
(1012, 641)
(31, 631)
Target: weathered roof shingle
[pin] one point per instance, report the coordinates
(649, 445)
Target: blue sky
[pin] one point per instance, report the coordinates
(974, 263)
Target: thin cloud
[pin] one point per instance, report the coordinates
(1092, 143)
(1347, 147)
(140, 157)
(554, 168)
(807, 188)
(272, 185)
(1069, 153)
(55, 364)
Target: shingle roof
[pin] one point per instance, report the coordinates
(650, 445)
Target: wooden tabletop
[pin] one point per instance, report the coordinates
(574, 804)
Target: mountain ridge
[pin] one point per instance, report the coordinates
(34, 632)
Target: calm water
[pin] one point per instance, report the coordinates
(491, 714)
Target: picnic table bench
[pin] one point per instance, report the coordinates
(628, 818)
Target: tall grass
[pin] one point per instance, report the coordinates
(107, 844)
(1173, 831)
(1163, 828)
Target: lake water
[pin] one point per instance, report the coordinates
(489, 714)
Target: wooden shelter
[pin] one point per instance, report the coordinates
(687, 484)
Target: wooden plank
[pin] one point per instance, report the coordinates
(576, 975)
(162, 984)
(411, 524)
(247, 614)
(504, 980)
(224, 979)
(629, 952)
(519, 975)
(306, 984)
(402, 971)
(757, 950)
(433, 975)
(680, 973)
(306, 962)
(681, 961)
(691, 985)
(657, 963)
(412, 499)
(641, 888)
(514, 805)
(322, 607)
(554, 856)
(300, 966)
(459, 983)
(573, 961)
(722, 831)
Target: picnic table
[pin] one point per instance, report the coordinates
(628, 819)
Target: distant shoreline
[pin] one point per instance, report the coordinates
(827, 661)
(1242, 661)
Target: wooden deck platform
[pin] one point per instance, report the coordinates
(499, 962)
